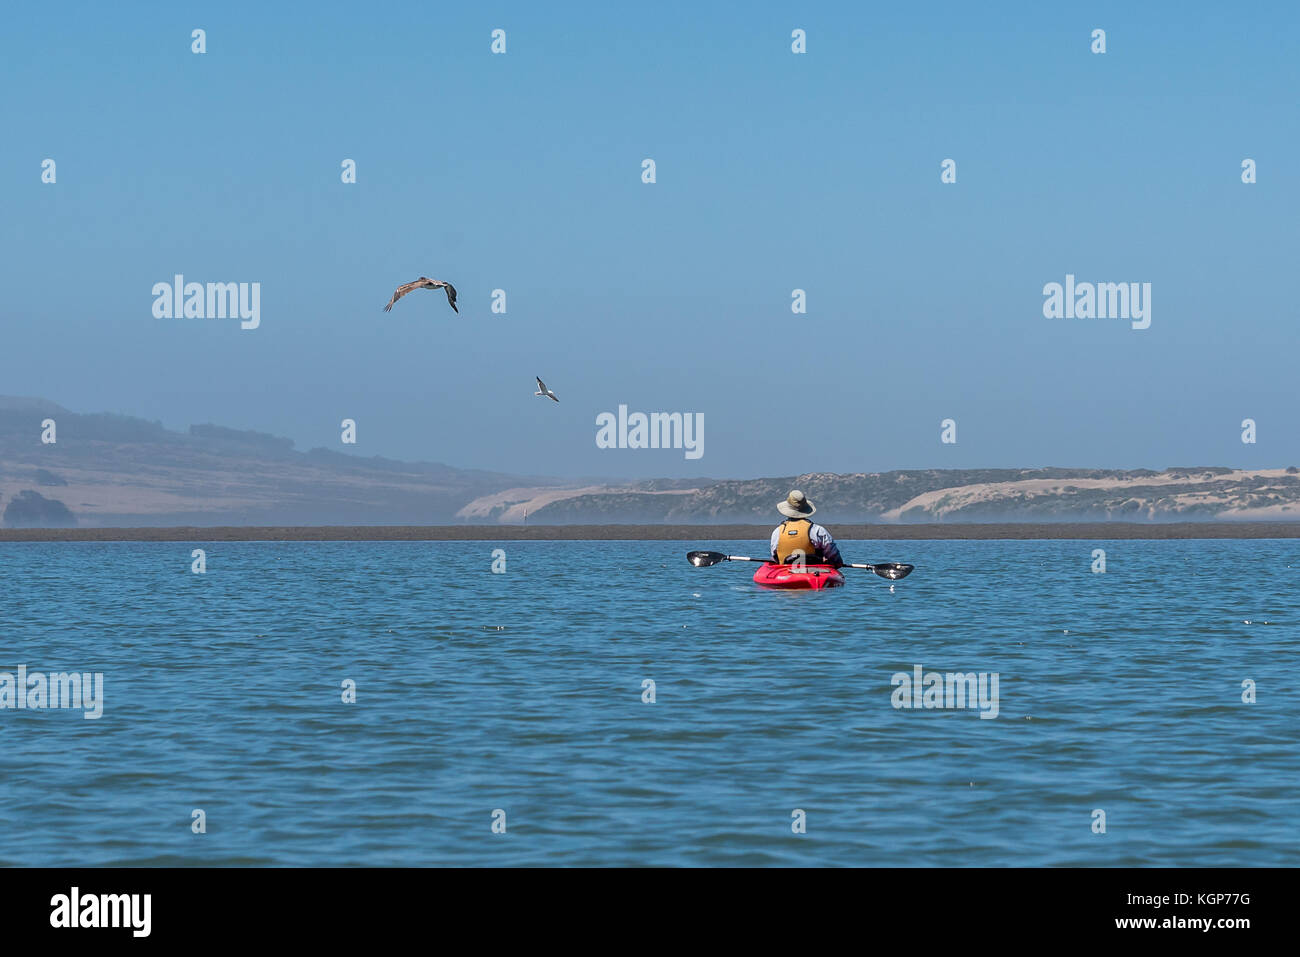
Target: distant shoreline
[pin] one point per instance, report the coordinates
(684, 533)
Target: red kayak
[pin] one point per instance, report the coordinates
(770, 575)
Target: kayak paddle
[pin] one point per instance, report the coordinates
(891, 570)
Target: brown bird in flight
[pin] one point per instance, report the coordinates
(425, 283)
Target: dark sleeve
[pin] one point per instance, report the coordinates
(831, 551)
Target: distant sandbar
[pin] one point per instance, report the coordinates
(692, 533)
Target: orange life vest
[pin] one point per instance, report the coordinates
(795, 543)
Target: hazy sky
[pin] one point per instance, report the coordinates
(775, 171)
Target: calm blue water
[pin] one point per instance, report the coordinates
(1118, 691)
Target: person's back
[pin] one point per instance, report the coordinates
(798, 540)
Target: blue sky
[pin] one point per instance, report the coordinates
(775, 171)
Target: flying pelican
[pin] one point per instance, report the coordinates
(542, 390)
(425, 283)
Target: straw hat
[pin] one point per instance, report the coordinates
(796, 505)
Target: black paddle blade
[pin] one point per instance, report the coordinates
(704, 559)
(893, 570)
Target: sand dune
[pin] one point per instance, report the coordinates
(941, 502)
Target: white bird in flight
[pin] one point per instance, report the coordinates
(425, 283)
(542, 390)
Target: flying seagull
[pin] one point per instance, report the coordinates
(542, 390)
(425, 283)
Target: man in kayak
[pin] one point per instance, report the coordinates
(797, 540)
